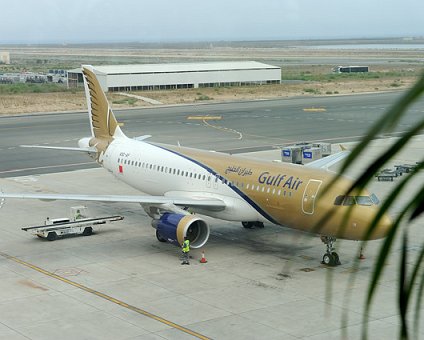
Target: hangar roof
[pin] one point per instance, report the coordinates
(179, 67)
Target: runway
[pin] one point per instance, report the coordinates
(262, 124)
(260, 283)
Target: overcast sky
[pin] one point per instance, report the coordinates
(70, 21)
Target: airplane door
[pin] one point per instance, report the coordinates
(309, 196)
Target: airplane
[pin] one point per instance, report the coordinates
(184, 183)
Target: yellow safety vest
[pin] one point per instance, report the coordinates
(186, 246)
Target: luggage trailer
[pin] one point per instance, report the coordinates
(78, 224)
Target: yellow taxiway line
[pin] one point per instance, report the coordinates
(204, 117)
(314, 109)
(221, 128)
(106, 297)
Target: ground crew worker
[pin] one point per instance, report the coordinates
(78, 215)
(186, 250)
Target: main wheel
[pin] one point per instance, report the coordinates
(159, 237)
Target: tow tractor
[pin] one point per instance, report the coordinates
(79, 223)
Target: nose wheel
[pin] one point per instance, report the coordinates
(330, 258)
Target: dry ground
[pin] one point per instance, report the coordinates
(41, 102)
(54, 102)
(294, 61)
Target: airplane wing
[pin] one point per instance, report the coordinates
(205, 203)
(87, 149)
(326, 162)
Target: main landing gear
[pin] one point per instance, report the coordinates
(330, 258)
(251, 225)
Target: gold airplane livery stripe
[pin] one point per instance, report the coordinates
(285, 194)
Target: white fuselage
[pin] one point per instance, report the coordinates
(157, 171)
(251, 190)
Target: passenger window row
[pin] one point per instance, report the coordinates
(164, 169)
(178, 172)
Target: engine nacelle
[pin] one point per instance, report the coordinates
(174, 227)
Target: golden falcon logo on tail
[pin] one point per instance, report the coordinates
(103, 122)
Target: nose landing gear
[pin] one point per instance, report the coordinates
(251, 225)
(330, 258)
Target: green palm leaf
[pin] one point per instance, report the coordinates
(412, 209)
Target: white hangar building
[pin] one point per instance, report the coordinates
(176, 76)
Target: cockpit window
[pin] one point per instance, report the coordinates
(375, 199)
(352, 200)
(349, 200)
(363, 200)
(339, 200)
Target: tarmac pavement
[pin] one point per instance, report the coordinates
(121, 283)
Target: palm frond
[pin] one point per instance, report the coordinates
(404, 293)
(387, 121)
(413, 208)
(414, 278)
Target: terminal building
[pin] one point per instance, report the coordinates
(144, 77)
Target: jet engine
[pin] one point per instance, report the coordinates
(173, 228)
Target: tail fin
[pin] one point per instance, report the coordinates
(104, 126)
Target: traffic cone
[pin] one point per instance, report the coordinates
(203, 259)
(361, 255)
